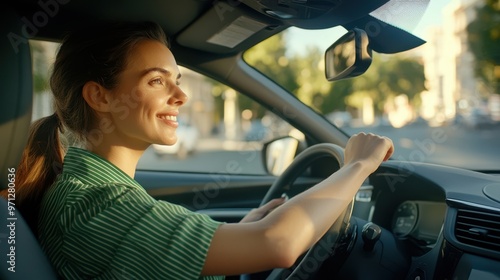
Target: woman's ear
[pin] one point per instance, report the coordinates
(96, 96)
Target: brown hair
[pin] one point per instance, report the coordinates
(92, 54)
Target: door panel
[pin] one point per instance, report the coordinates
(214, 193)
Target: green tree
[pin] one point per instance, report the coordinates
(484, 40)
(269, 57)
(387, 77)
(301, 74)
(335, 99)
(309, 75)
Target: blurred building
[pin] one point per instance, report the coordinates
(449, 65)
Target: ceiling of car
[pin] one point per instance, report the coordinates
(217, 27)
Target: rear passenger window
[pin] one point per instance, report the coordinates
(43, 55)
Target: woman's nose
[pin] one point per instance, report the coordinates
(178, 98)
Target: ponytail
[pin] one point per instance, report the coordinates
(40, 164)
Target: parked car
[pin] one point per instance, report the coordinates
(476, 118)
(257, 131)
(340, 119)
(431, 212)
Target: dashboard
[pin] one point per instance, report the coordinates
(437, 222)
(447, 220)
(418, 220)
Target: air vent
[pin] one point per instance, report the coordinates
(479, 229)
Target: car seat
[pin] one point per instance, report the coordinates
(21, 256)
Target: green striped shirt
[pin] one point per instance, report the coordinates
(98, 223)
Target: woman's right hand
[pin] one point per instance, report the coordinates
(368, 148)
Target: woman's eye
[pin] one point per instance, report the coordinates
(156, 81)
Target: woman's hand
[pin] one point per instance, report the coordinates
(368, 148)
(259, 213)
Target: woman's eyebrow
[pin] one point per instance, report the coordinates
(159, 69)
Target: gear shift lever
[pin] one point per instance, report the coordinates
(370, 234)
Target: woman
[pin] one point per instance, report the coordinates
(116, 91)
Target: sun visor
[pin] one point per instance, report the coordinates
(384, 37)
(389, 27)
(227, 28)
(315, 14)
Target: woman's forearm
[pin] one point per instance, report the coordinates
(289, 230)
(300, 222)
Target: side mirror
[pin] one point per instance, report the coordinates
(349, 56)
(278, 154)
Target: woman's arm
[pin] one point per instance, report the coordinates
(282, 236)
(259, 213)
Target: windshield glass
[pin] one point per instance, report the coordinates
(439, 102)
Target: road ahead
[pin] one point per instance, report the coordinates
(477, 149)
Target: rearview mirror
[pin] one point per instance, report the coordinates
(349, 56)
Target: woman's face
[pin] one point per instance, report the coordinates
(148, 97)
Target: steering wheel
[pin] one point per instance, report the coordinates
(335, 243)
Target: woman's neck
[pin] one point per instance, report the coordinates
(122, 156)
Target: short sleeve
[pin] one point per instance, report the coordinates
(127, 234)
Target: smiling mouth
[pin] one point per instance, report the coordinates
(167, 117)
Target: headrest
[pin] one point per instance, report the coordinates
(16, 92)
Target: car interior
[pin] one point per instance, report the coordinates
(409, 220)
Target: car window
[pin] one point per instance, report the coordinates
(439, 102)
(220, 130)
(43, 55)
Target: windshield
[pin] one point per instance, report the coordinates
(439, 102)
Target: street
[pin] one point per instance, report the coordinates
(477, 149)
